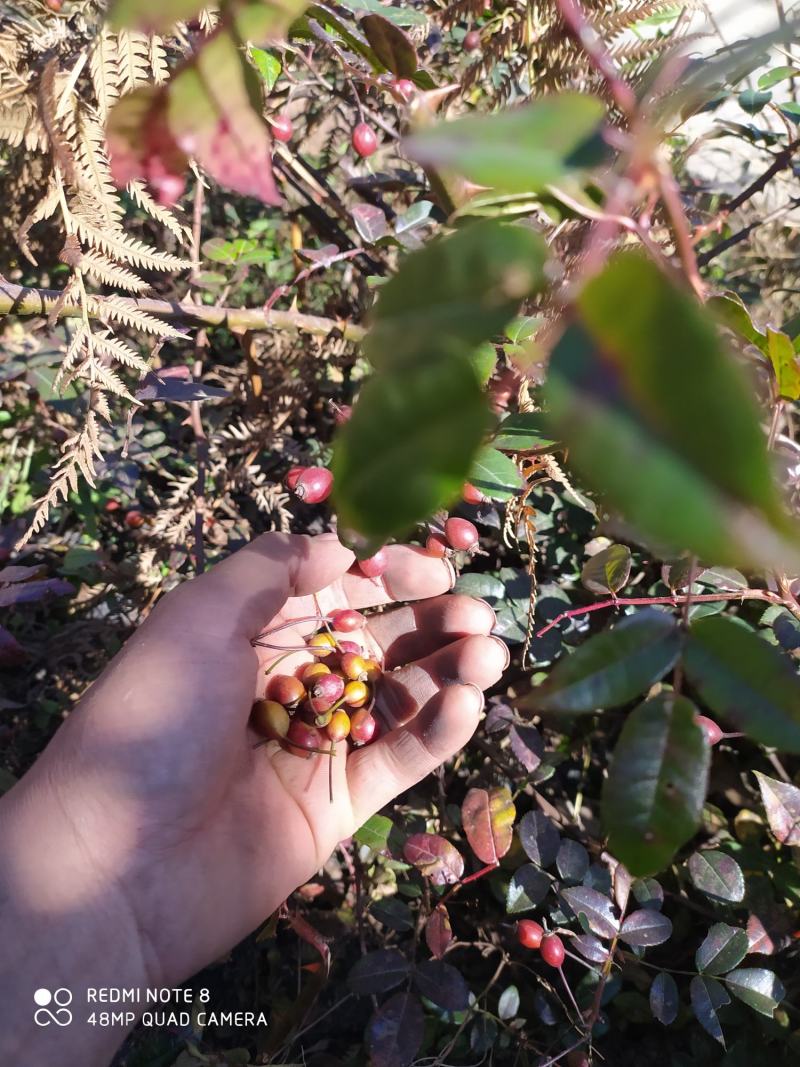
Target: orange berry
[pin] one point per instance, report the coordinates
(322, 644)
(270, 719)
(286, 689)
(356, 694)
(311, 671)
(353, 666)
(339, 726)
(372, 669)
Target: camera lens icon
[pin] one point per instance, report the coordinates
(60, 1015)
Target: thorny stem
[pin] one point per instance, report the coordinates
(595, 50)
(676, 601)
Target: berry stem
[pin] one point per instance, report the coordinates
(570, 995)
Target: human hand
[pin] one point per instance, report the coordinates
(158, 806)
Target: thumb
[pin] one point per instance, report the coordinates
(240, 596)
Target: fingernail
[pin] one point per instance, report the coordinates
(452, 572)
(490, 609)
(506, 651)
(478, 691)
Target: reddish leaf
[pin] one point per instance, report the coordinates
(438, 931)
(27, 592)
(758, 938)
(313, 937)
(488, 820)
(392, 47)
(395, 1032)
(782, 805)
(527, 745)
(11, 651)
(435, 857)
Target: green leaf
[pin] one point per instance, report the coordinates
(717, 875)
(746, 681)
(408, 446)
(495, 474)
(517, 151)
(464, 287)
(483, 360)
(777, 74)
(374, 833)
(660, 419)
(729, 311)
(724, 947)
(152, 16)
(612, 667)
(708, 996)
(392, 47)
(784, 360)
(608, 570)
(522, 432)
(653, 796)
(752, 101)
(267, 65)
(527, 889)
(401, 16)
(759, 988)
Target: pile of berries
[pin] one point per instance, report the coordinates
(532, 935)
(325, 701)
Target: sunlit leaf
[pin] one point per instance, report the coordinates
(516, 151)
(746, 681)
(785, 364)
(378, 972)
(664, 999)
(759, 988)
(723, 949)
(435, 857)
(487, 816)
(782, 805)
(527, 889)
(608, 570)
(374, 833)
(590, 947)
(707, 997)
(523, 431)
(645, 927)
(495, 474)
(394, 1033)
(370, 222)
(718, 875)
(653, 797)
(508, 1004)
(688, 467)
(438, 931)
(596, 909)
(572, 861)
(267, 65)
(612, 667)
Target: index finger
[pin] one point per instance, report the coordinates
(412, 574)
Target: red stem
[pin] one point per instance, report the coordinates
(676, 601)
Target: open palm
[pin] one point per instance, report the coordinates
(157, 774)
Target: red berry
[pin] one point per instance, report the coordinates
(472, 41)
(404, 88)
(436, 544)
(552, 950)
(346, 620)
(363, 727)
(54, 5)
(374, 566)
(112, 505)
(324, 692)
(134, 519)
(314, 485)
(529, 933)
(351, 646)
(302, 735)
(353, 666)
(293, 476)
(282, 128)
(341, 413)
(364, 139)
(712, 732)
(461, 534)
(270, 719)
(286, 689)
(471, 495)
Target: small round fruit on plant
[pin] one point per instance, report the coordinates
(282, 128)
(404, 88)
(436, 544)
(342, 413)
(314, 485)
(530, 933)
(356, 694)
(346, 620)
(373, 670)
(293, 475)
(363, 727)
(134, 519)
(54, 5)
(461, 534)
(270, 719)
(712, 732)
(374, 566)
(302, 736)
(472, 41)
(552, 950)
(286, 689)
(339, 726)
(471, 495)
(364, 139)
